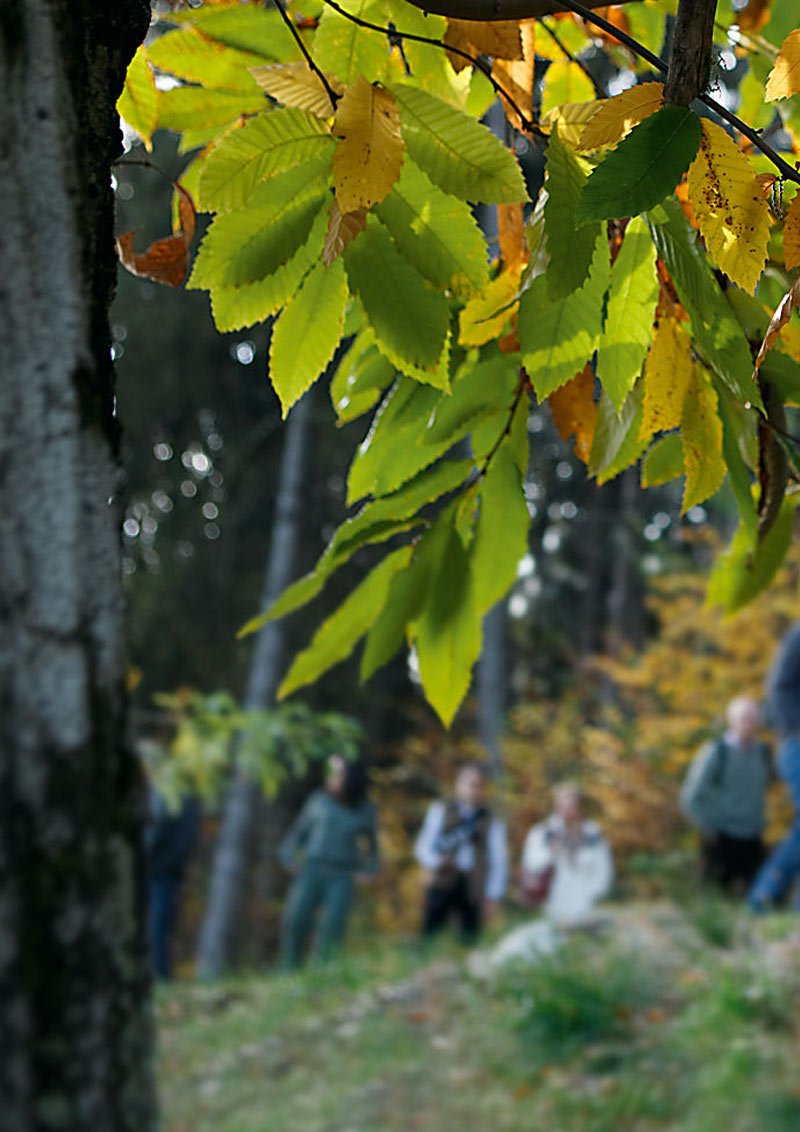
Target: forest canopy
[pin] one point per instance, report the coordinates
(622, 244)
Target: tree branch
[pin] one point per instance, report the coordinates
(486, 11)
(690, 60)
(568, 54)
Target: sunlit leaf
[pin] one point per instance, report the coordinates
(784, 78)
(485, 316)
(139, 102)
(295, 84)
(731, 212)
(617, 116)
(347, 51)
(664, 461)
(305, 336)
(565, 81)
(748, 567)
(195, 57)
(459, 155)
(668, 372)
(701, 436)
(369, 152)
(570, 244)
(574, 411)
(632, 299)
(617, 443)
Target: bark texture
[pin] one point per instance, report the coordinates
(75, 1023)
(244, 808)
(690, 61)
(488, 10)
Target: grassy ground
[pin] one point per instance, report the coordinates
(682, 1020)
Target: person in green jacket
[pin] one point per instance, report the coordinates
(332, 844)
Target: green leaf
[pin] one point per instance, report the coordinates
(747, 567)
(570, 245)
(616, 443)
(783, 373)
(247, 27)
(390, 630)
(557, 337)
(447, 631)
(632, 301)
(501, 533)
(479, 390)
(275, 235)
(457, 153)
(664, 461)
(198, 107)
(343, 49)
(375, 522)
(409, 317)
(717, 335)
(738, 431)
(337, 636)
(388, 456)
(361, 378)
(305, 336)
(436, 233)
(235, 307)
(430, 65)
(196, 58)
(269, 143)
(644, 168)
(139, 102)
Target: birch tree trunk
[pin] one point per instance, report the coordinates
(243, 803)
(75, 1026)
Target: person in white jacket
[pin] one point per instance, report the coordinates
(576, 854)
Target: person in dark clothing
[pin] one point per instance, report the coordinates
(462, 849)
(724, 795)
(783, 697)
(332, 844)
(169, 839)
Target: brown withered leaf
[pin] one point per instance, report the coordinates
(343, 227)
(166, 260)
(783, 312)
(515, 78)
(499, 38)
(511, 236)
(574, 411)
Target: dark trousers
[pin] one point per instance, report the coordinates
(731, 863)
(162, 899)
(320, 896)
(448, 897)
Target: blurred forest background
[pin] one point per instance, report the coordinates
(605, 662)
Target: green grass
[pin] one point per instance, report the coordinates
(602, 1037)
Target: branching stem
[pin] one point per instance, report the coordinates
(333, 97)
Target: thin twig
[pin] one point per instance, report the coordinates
(333, 97)
(787, 171)
(522, 385)
(598, 89)
(528, 123)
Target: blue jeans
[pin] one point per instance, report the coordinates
(783, 864)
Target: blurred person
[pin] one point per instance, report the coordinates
(332, 844)
(462, 848)
(566, 861)
(170, 834)
(780, 870)
(724, 796)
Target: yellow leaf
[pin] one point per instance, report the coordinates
(559, 38)
(485, 316)
(369, 153)
(565, 81)
(574, 411)
(791, 235)
(295, 84)
(570, 119)
(731, 212)
(783, 312)
(617, 116)
(784, 78)
(667, 373)
(701, 439)
(499, 38)
(343, 227)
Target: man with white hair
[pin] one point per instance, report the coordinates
(724, 796)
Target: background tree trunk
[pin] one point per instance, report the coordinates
(235, 848)
(75, 1025)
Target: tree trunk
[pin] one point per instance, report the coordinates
(493, 685)
(75, 1023)
(230, 871)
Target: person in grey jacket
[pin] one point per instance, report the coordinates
(783, 697)
(332, 843)
(724, 795)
